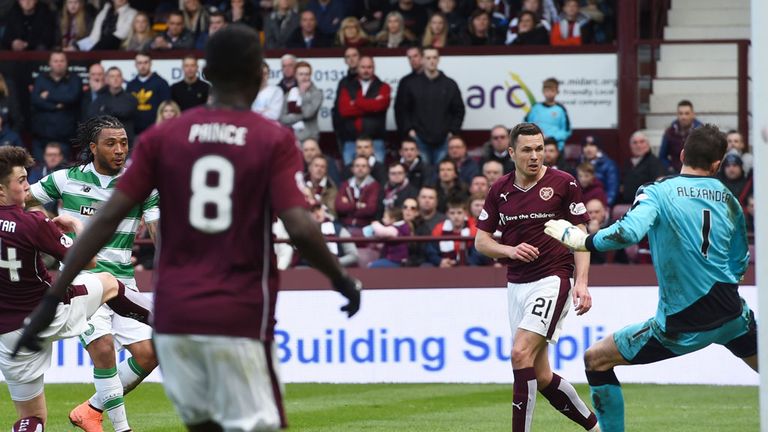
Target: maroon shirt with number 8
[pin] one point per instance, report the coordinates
(222, 175)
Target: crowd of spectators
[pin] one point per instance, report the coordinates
(137, 25)
(426, 181)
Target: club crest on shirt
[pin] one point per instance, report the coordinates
(65, 241)
(546, 193)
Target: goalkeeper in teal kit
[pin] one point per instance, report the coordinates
(699, 247)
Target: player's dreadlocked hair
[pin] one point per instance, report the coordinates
(88, 132)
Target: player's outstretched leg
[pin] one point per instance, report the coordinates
(563, 397)
(604, 387)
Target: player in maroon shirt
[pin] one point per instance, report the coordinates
(24, 281)
(538, 271)
(224, 173)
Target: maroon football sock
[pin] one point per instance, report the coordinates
(131, 304)
(28, 424)
(561, 394)
(524, 399)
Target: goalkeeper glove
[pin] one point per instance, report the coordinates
(350, 288)
(567, 234)
(38, 321)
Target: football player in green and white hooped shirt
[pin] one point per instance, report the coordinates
(82, 190)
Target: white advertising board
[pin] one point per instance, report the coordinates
(446, 335)
(496, 89)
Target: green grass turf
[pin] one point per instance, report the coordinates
(434, 407)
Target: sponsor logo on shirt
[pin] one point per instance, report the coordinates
(577, 209)
(87, 210)
(65, 241)
(504, 195)
(546, 193)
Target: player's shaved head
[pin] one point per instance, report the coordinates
(704, 146)
(11, 157)
(233, 61)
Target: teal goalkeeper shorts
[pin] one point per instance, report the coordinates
(644, 342)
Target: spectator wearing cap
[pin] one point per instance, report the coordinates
(675, 135)
(7, 136)
(591, 186)
(641, 168)
(363, 105)
(553, 158)
(497, 148)
(605, 168)
(732, 175)
(306, 35)
(457, 152)
(550, 116)
(357, 201)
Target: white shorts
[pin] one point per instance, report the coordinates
(539, 306)
(125, 331)
(28, 367)
(232, 381)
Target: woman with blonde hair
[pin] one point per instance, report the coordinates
(394, 34)
(351, 33)
(141, 35)
(74, 24)
(436, 33)
(167, 110)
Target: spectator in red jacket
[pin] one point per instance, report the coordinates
(363, 104)
(357, 201)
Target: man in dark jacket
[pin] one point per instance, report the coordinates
(149, 89)
(643, 167)
(419, 172)
(415, 56)
(497, 149)
(433, 109)
(363, 104)
(675, 136)
(190, 91)
(115, 101)
(605, 168)
(176, 37)
(30, 27)
(55, 105)
(307, 36)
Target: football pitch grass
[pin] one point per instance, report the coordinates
(433, 407)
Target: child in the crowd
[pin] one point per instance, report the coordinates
(393, 254)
